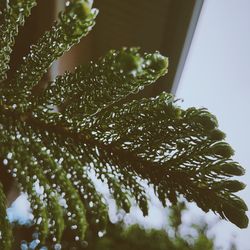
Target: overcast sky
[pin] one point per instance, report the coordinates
(217, 76)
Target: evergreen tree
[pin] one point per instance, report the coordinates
(53, 136)
(135, 237)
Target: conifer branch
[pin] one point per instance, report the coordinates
(198, 150)
(14, 15)
(90, 88)
(74, 23)
(5, 228)
(78, 125)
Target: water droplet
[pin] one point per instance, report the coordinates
(101, 234)
(33, 244)
(5, 162)
(57, 246)
(43, 248)
(35, 235)
(24, 245)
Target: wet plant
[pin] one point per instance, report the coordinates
(81, 123)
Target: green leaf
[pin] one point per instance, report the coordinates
(217, 135)
(83, 124)
(222, 149)
(14, 15)
(98, 85)
(5, 227)
(236, 215)
(62, 36)
(230, 185)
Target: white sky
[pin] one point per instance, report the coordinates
(217, 76)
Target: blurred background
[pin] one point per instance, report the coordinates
(208, 45)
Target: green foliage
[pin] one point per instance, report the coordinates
(135, 237)
(14, 14)
(55, 137)
(5, 231)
